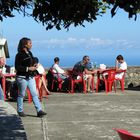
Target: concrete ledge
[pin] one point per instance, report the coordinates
(11, 127)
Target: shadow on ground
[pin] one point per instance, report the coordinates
(136, 88)
(11, 127)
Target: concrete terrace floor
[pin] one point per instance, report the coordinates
(84, 116)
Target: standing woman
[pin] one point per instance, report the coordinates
(25, 77)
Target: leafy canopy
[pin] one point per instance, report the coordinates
(63, 13)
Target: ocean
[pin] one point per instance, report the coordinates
(70, 60)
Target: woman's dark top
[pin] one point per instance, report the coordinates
(22, 61)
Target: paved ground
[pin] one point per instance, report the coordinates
(84, 117)
(11, 126)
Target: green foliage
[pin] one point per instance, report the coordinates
(58, 13)
(63, 13)
(132, 7)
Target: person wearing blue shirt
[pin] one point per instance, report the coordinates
(81, 68)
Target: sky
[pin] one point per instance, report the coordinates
(102, 40)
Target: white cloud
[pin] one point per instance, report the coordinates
(84, 43)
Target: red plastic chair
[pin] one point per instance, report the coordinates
(108, 76)
(74, 81)
(37, 79)
(29, 95)
(56, 79)
(122, 80)
(81, 80)
(125, 135)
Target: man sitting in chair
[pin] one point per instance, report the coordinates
(57, 69)
(81, 69)
(10, 82)
(120, 65)
(60, 73)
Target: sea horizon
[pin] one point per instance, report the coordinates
(68, 61)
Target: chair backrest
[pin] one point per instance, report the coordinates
(52, 71)
(52, 78)
(55, 75)
(76, 79)
(109, 74)
(109, 79)
(37, 79)
(125, 135)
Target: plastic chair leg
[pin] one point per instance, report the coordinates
(84, 86)
(92, 84)
(72, 86)
(122, 85)
(97, 85)
(106, 87)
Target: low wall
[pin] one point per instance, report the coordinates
(132, 77)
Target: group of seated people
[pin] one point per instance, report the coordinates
(81, 68)
(77, 71)
(85, 69)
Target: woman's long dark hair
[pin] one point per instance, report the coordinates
(22, 43)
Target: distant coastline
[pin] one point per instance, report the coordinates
(69, 61)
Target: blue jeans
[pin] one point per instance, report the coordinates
(1, 93)
(23, 83)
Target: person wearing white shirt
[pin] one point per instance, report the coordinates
(5, 69)
(61, 73)
(120, 65)
(57, 69)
